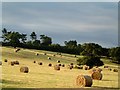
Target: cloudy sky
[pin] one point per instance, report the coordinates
(84, 22)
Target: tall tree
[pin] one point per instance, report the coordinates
(115, 54)
(33, 36)
(71, 43)
(91, 49)
(45, 40)
(23, 38)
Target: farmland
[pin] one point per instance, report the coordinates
(43, 76)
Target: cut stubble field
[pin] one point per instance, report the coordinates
(43, 76)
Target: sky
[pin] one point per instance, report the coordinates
(85, 22)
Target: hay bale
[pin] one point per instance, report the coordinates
(24, 69)
(86, 67)
(16, 50)
(70, 66)
(78, 67)
(54, 55)
(109, 69)
(37, 54)
(5, 60)
(34, 61)
(49, 58)
(84, 81)
(106, 66)
(39, 63)
(96, 69)
(59, 64)
(63, 65)
(58, 61)
(96, 75)
(56, 67)
(45, 53)
(12, 63)
(115, 70)
(50, 64)
(16, 62)
(0, 63)
(71, 63)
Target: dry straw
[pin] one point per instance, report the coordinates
(84, 81)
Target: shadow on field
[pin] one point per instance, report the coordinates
(11, 82)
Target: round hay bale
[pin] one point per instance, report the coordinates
(12, 63)
(59, 64)
(106, 66)
(50, 64)
(58, 61)
(98, 69)
(34, 61)
(54, 55)
(24, 69)
(16, 62)
(96, 75)
(5, 60)
(109, 69)
(0, 63)
(115, 70)
(80, 67)
(56, 67)
(63, 65)
(86, 67)
(70, 66)
(45, 53)
(71, 63)
(37, 54)
(49, 58)
(84, 81)
(39, 63)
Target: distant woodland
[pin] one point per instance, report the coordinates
(16, 39)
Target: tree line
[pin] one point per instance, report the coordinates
(16, 39)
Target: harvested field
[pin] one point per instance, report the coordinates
(46, 77)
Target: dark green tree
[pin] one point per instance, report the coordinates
(45, 40)
(23, 38)
(90, 61)
(115, 54)
(33, 36)
(91, 49)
